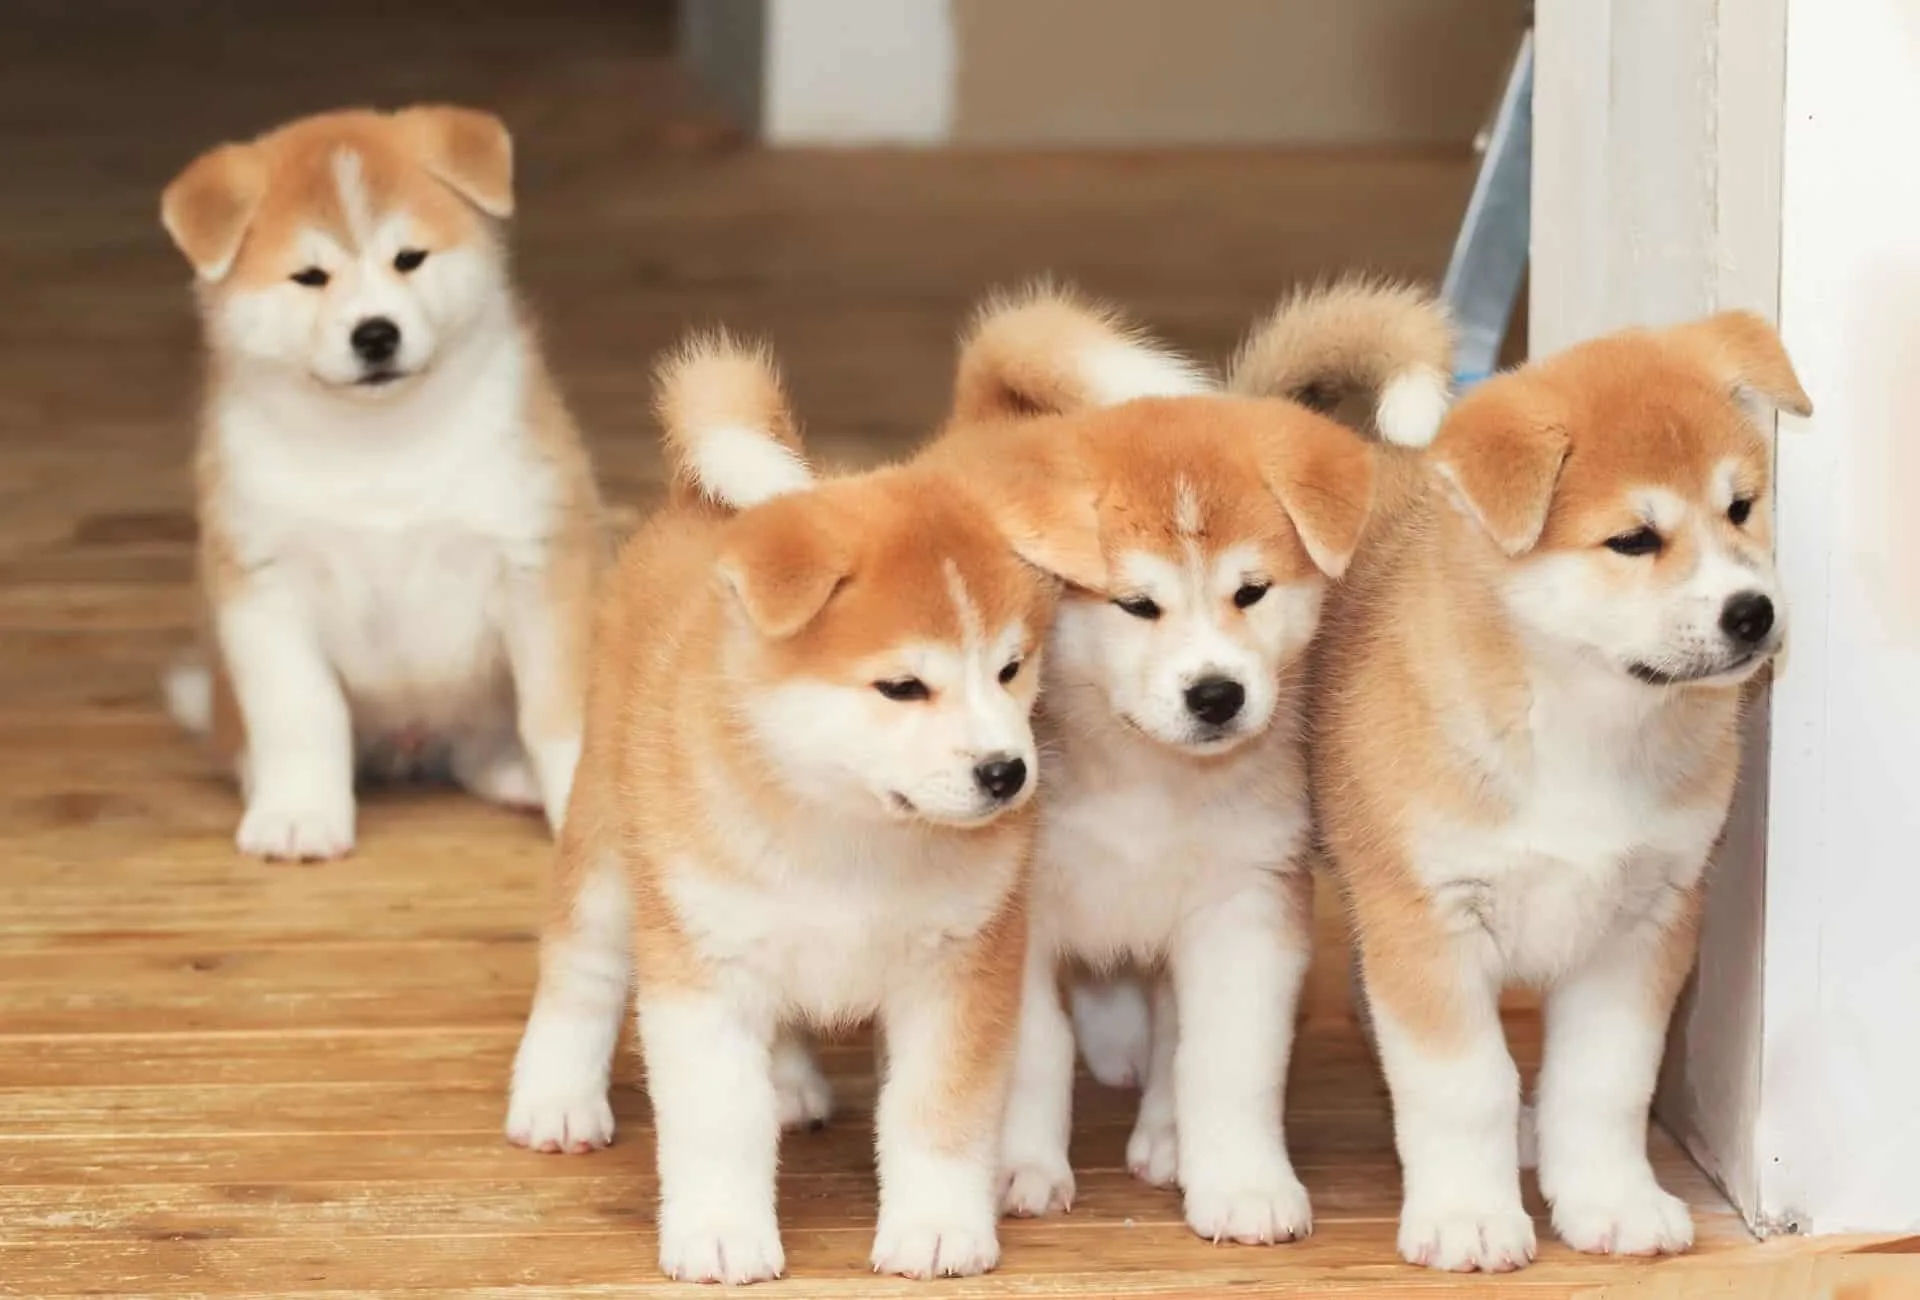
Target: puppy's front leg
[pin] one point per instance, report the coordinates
(548, 626)
(1606, 1029)
(1435, 1007)
(1237, 967)
(717, 1136)
(298, 762)
(1036, 1177)
(563, 1068)
(950, 1034)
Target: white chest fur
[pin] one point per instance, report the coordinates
(819, 920)
(394, 526)
(1596, 839)
(1134, 835)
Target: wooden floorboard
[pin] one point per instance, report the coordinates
(224, 1078)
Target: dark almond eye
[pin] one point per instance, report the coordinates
(1641, 541)
(313, 277)
(408, 259)
(1738, 512)
(903, 688)
(1250, 594)
(1011, 671)
(1139, 607)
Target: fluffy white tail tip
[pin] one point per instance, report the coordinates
(1412, 406)
(742, 467)
(1118, 372)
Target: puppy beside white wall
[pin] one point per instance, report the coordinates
(804, 801)
(399, 530)
(1524, 720)
(1176, 806)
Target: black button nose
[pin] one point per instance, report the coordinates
(1001, 777)
(1215, 700)
(1747, 618)
(375, 339)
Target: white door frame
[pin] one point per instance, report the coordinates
(1692, 155)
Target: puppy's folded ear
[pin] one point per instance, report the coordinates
(1041, 499)
(468, 150)
(209, 206)
(1322, 473)
(1744, 353)
(783, 561)
(1499, 453)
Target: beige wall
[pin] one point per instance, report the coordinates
(1308, 72)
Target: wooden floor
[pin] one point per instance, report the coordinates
(224, 1078)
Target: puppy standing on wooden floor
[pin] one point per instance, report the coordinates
(398, 524)
(1524, 727)
(1176, 803)
(804, 799)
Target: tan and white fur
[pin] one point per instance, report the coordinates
(804, 801)
(398, 524)
(1524, 722)
(1175, 809)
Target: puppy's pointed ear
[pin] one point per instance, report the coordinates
(1744, 353)
(468, 150)
(782, 562)
(1323, 473)
(1499, 453)
(1041, 498)
(208, 208)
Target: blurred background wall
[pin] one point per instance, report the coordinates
(1106, 72)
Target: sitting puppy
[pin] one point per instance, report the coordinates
(1525, 737)
(1176, 810)
(804, 801)
(398, 525)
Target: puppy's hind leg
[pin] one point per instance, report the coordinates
(1110, 1023)
(1153, 1150)
(494, 766)
(806, 1098)
(547, 635)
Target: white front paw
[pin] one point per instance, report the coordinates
(1643, 1220)
(1034, 1187)
(298, 826)
(733, 1248)
(1153, 1152)
(923, 1248)
(1467, 1238)
(1273, 1210)
(559, 1118)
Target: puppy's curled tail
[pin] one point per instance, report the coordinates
(1388, 344)
(731, 440)
(1045, 350)
(187, 687)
